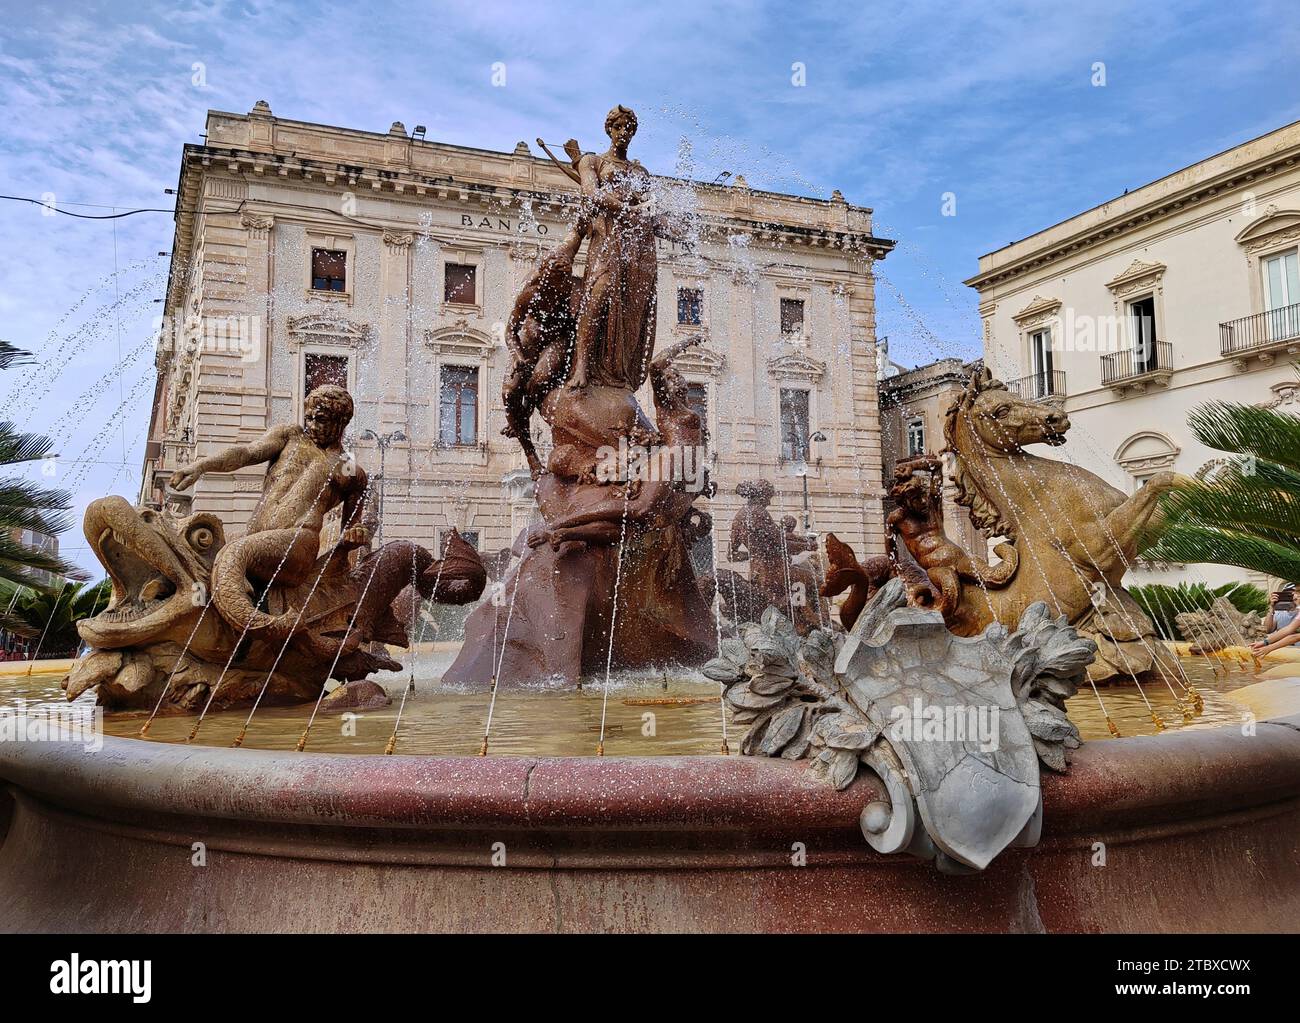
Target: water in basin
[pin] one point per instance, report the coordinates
(673, 714)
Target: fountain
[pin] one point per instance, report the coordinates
(928, 729)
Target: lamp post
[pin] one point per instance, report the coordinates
(801, 469)
(383, 442)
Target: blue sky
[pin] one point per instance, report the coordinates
(903, 102)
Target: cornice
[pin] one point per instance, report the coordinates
(317, 328)
(796, 366)
(1141, 215)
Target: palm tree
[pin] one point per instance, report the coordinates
(25, 505)
(50, 617)
(1248, 512)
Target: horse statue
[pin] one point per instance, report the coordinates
(1073, 535)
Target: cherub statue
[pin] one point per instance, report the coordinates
(308, 475)
(918, 521)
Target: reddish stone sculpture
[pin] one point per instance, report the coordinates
(769, 548)
(616, 525)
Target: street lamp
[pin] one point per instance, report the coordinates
(383, 441)
(800, 469)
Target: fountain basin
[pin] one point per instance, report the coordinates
(1201, 832)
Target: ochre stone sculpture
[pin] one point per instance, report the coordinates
(195, 620)
(1218, 626)
(1072, 535)
(581, 347)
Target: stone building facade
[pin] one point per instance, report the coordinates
(913, 403)
(306, 254)
(1132, 313)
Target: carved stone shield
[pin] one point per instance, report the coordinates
(946, 706)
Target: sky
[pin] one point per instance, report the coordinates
(964, 126)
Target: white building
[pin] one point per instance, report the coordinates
(1136, 311)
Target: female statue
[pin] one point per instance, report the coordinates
(615, 331)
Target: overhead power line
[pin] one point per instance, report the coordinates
(82, 216)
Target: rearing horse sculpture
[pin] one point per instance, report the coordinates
(1074, 534)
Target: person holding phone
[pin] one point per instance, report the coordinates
(1281, 623)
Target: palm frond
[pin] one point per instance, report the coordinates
(16, 446)
(26, 505)
(1189, 542)
(54, 614)
(1247, 430)
(11, 355)
(1259, 498)
(18, 562)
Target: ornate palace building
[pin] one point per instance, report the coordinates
(307, 254)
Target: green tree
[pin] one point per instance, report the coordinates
(1248, 513)
(50, 616)
(25, 505)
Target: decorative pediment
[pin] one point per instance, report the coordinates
(1272, 227)
(1038, 311)
(460, 339)
(701, 360)
(317, 329)
(1147, 452)
(1140, 276)
(796, 367)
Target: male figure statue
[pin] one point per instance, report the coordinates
(309, 475)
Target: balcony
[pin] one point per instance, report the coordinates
(1135, 369)
(1038, 386)
(1263, 335)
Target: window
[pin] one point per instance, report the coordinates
(458, 283)
(690, 303)
(458, 406)
(319, 369)
(916, 436)
(794, 424)
(1143, 317)
(1040, 360)
(697, 397)
(329, 270)
(1281, 296)
(1281, 287)
(791, 317)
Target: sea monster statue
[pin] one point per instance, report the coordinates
(196, 621)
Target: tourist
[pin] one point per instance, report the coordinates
(1281, 623)
(1281, 608)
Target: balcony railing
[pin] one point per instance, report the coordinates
(1262, 330)
(1039, 385)
(1133, 364)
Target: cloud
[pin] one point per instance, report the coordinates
(903, 102)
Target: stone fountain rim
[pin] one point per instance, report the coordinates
(1149, 782)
